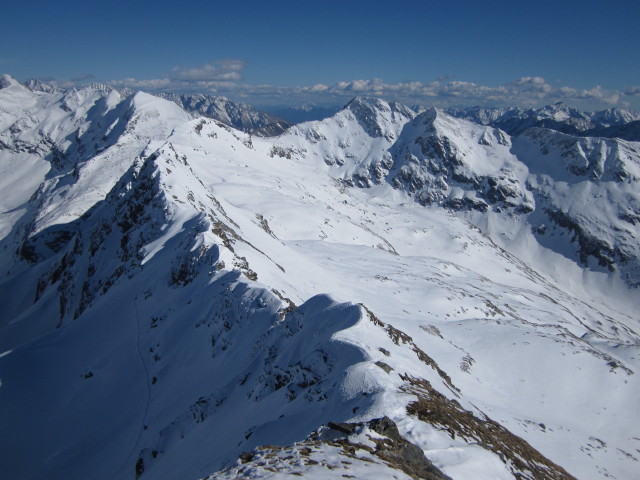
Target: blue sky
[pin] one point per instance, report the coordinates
(434, 52)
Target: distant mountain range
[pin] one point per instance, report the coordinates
(614, 122)
(241, 116)
(238, 115)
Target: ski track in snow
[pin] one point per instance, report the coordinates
(148, 400)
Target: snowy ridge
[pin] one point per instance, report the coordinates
(374, 449)
(212, 292)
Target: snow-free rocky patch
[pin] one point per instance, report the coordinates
(373, 449)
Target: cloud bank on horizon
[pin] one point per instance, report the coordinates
(224, 77)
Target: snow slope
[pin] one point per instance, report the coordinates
(192, 293)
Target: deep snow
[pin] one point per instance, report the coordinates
(177, 292)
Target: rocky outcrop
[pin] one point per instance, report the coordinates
(376, 442)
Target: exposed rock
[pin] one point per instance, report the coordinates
(376, 442)
(524, 461)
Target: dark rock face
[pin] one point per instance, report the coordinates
(588, 245)
(432, 159)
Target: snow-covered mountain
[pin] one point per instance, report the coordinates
(372, 295)
(241, 116)
(613, 122)
(579, 196)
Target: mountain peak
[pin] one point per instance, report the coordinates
(361, 101)
(96, 87)
(375, 114)
(445, 124)
(429, 115)
(8, 81)
(37, 85)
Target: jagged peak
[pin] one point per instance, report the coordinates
(151, 105)
(371, 102)
(95, 87)
(87, 95)
(437, 122)
(193, 97)
(37, 85)
(378, 104)
(374, 113)
(615, 116)
(429, 115)
(439, 119)
(87, 91)
(559, 111)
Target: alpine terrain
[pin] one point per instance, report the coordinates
(241, 116)
(378, 294)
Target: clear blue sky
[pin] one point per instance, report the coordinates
(443, 52)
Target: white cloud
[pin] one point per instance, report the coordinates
(211, 78)
(224, 78)
(595, 93)
(319, 87)
(208, 78)
(530, 81)
(223, 70)
(151, 84)
(633, 90)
